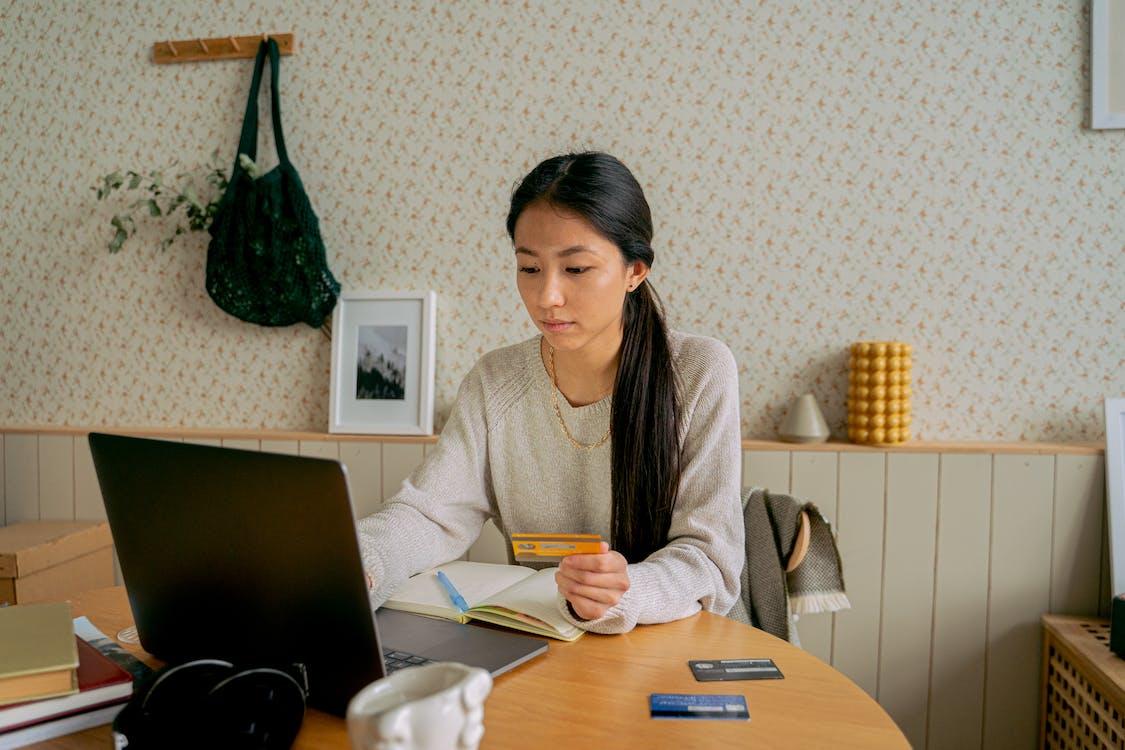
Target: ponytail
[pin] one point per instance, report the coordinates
(645, 466)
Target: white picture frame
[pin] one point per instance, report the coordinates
(1115, 490)
(383, 347)
(1107, 64)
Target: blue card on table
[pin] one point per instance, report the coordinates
(689, 706)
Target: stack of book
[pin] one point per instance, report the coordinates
(51, 681)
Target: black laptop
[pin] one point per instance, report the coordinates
(253, 558)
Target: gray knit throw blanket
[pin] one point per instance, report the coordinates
(769, 593)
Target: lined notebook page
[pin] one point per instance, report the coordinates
(474, 581)
(536, 596)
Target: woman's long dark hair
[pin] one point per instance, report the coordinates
(644, 426)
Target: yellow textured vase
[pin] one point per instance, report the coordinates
(879, 392)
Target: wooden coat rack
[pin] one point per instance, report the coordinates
(218, 48)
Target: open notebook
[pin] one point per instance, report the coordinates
(508, 595)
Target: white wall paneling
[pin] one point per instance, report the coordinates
(1019, 593)
(908, 590)
(956, 707)
(21, 478)
(859, 537)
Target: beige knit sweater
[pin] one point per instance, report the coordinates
(503, 455)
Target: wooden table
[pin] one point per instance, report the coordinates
(594, 692)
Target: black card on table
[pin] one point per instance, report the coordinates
(711, 670)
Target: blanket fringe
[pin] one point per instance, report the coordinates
(810, 604)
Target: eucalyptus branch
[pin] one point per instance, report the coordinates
(191, 201)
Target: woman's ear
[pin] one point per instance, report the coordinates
(635, 274)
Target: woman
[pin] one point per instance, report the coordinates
(607, 423)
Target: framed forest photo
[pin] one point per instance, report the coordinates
(1107, 64)
(383, 363)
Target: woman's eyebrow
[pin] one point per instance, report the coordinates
(574, 250)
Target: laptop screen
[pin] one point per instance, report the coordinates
(240, 555)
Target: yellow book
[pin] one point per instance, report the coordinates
(507, 595)
(38, 653)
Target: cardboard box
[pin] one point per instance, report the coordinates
(44, 561)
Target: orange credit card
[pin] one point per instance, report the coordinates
(552, 547)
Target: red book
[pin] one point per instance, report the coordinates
(100, 683)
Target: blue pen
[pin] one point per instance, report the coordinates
(450, 589)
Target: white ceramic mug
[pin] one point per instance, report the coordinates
(432, 707)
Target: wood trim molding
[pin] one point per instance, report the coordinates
(832, 446)
(1030, 448)
(222, 434)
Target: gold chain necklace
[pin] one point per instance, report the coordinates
(558, 412)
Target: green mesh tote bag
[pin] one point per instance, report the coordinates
(266, 263)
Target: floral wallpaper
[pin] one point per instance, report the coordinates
(819, 173)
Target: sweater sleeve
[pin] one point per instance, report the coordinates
(439, 510)
(701, 565)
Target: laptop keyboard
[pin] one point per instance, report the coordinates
(396, 660)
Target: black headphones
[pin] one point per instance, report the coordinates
(212, 703)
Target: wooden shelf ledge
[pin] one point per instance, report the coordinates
(1029, 448)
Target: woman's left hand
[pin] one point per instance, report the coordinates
(593, 583)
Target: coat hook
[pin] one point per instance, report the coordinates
(215, 48)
